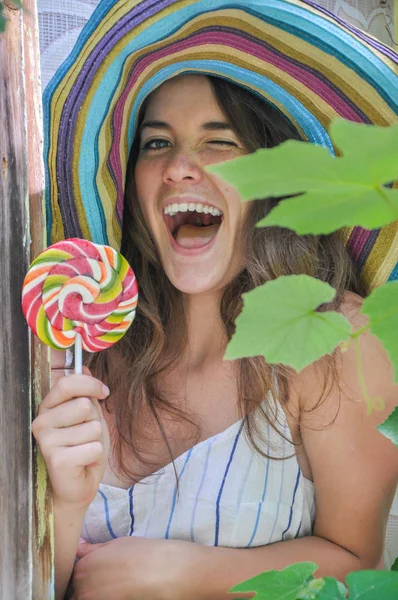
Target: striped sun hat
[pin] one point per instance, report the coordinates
(296, 55)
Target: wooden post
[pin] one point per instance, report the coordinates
(25, 504)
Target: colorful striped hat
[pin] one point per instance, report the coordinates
(296, 55)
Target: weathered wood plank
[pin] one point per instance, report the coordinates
(15, 439)
(25, 504)
(42, 529)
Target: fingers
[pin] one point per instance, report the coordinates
(85, 455)
(74, 386)
(78, 435)
(73, 412)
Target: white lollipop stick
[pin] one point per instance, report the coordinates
(78, 355)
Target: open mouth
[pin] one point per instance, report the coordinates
(192, 225)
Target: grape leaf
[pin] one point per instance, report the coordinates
(311, 589)
(291, 583)
(332, 590)
(279, 322)
(325, 211)
(390, 430)
(296, 582)
(395, 565)
(381, 306)
(373, 585)
(334, 192)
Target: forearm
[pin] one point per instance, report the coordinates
(226, 567)
(68, 524)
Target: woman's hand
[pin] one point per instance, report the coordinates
(73, 438)
(133, 568)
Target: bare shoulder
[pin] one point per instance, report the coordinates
(351, 308)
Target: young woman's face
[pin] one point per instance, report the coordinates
(194, 218)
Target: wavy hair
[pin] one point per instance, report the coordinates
(134, 367)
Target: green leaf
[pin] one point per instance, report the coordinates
(381, 306)
(264, 172)
(289, 584)
(390, 430)
(279, 321)
(335, 192)
(327, 210)
(311, 589)
(332, 590)
(373, 585)
(376, 148)
(395, 565)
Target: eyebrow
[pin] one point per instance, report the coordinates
(208, 126)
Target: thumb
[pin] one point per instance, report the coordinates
(85, 548)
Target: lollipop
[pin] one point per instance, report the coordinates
(78, 292)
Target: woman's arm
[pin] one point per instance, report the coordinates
(73, 440)
(68, 525)
(223, 568)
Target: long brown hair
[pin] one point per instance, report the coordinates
(134, 367)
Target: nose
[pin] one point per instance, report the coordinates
(182, 167)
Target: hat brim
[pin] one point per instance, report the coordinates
(309, 64)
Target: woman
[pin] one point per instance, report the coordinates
(167, 455)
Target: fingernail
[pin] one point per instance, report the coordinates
(106, 390)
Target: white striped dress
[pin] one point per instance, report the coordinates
(228, 495)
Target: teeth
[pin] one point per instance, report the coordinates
(173, 209)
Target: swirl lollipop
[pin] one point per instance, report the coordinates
(78, 292)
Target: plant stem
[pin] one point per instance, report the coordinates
(375, 403)
(360, 331)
